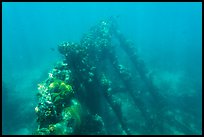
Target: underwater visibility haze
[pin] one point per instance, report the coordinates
(102, 68)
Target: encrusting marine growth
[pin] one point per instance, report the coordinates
(78, 91)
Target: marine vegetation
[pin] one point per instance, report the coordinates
(83, 92)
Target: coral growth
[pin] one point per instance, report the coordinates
(79, 92)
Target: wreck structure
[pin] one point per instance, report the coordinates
(83, 94)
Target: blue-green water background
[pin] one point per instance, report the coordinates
(168, 37)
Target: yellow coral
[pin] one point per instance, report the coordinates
(54, 84)
(61, 86)
(65, 87)
(61, 92)
(51, 85)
